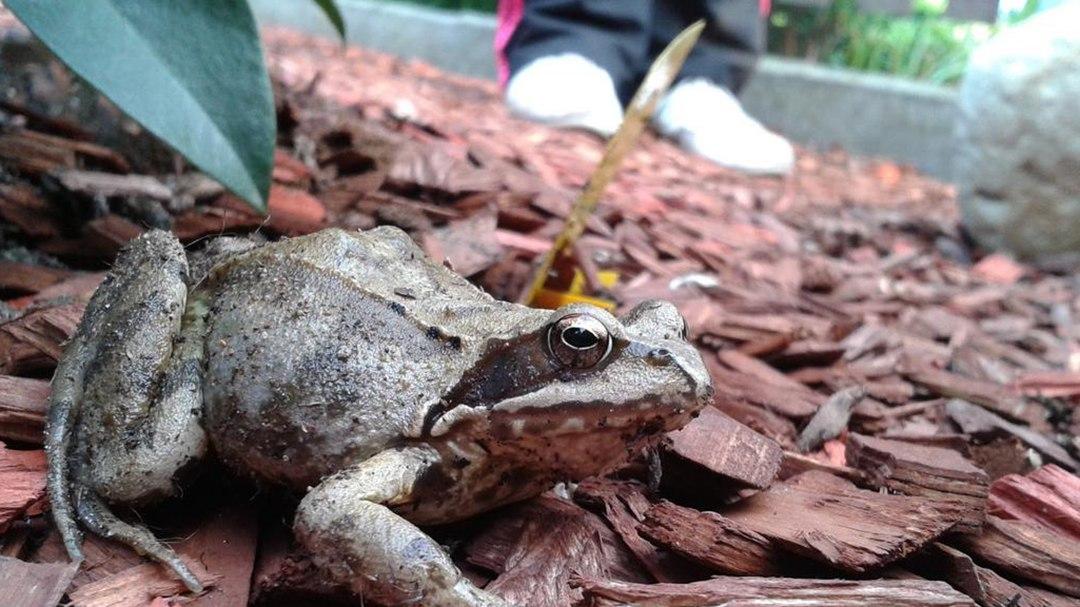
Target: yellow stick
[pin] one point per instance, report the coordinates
(660, 76)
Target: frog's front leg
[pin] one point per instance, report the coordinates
(350, 532)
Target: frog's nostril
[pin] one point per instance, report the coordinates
(708, 391)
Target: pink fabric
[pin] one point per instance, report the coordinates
(509, 16)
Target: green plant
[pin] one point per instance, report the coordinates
(483, 6)
(925, 45)
(1029, 8)
(190, 71)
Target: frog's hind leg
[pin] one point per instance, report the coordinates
(126, 404)
(95, 514)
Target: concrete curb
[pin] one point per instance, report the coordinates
(867, 114)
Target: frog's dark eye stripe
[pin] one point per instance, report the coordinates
(579, 341)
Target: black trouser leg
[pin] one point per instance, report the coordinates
(614, 34)
(624, 36)
(733, 39)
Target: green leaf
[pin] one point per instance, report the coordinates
(190, 71)
(334, 15)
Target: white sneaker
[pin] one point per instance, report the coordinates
(566, 90)
(707, 119)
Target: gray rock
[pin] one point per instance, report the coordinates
(1019, 137)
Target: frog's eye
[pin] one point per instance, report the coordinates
(579, 341)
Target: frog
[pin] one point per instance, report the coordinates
(385, 391)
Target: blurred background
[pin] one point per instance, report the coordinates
(838, 72)
(927, 40)
(979, 93)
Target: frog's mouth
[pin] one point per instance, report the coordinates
(581, 439)
(554, 431)
(507, 421)
(650, 415)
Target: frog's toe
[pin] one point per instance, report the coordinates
(346, 528)
(93, 512)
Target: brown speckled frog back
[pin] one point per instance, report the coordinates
(325, 349)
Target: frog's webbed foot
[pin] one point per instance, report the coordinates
(350, 533)
(127, 399)
(94, 513)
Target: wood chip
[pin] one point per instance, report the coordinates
(828, 519)
(285, 576)
(1002, 456)
(25, 584)
(1048, 497)
(624, 504)
(136, 586)
(711, 540)
(23, 403)
(999, 269)
(548, 551)
(206, 221)
(761, 370)
(775, 592)
(290, 170)
(991, 396)
(225, 545)
(108, 185)
(733, 388)
(723, 446)
(469, 244)
(110, 233)
(984, 585)
(973, 419)
(22, 484)
(831, 419)
(794, 464)
(29, 278)
(290, 211)
(1028, 552)
(807, 353)
(103, 557)
(79, 288)
(932, 472)
(37, 153)
(34, 342)
(34, 153)
(434, 169)
(25, 208)
(1050, 384)
(522, 242)
(1049, 597)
